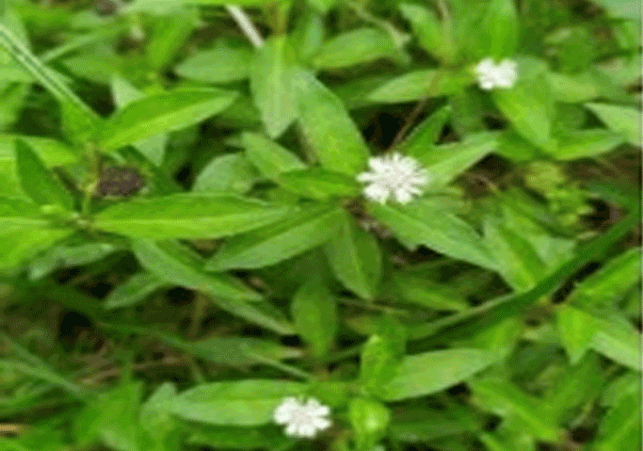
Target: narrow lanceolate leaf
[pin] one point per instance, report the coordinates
(501, 28)
(611, 282)
(528, 111)
(134, 290)
(194, 215)
(623, 120)
(439, 230)
(271, 83)
(173, 263)
(319, 183)
(574, 144)
(269, 157)
(507, 400)
(162, 113)
(424, 374)
(421, 84)
(355, 258)
(614, 337)
(448, 161)
(354, 47)
(124, 94)
(18, 245)
(315, 313)
(621, 427)
(37, 181)
(24, 232)
(492, 312)
(426, 134)
(329, 130)
(297, 233)
(518, 261)
(45, 76)
(239, 403)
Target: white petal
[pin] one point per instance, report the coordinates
(284, 411)
(292, 429)
(367, 177)
(377, 193)
(307, 430)
(322, 423)
(403, 196)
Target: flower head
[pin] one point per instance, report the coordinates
(302, 419)
(502, 75)
(394, 175)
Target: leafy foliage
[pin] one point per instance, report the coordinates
(185, 243)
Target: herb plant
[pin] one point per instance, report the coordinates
(349, 225)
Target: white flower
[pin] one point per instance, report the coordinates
(302, 419)
(394, 175)
(490, 75)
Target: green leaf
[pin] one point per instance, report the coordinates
(425, 134)
(617, 340)
(240, 403)
(576, 329)
(500, 28)
(113, 418)
(612, 337)
(323, 5)
(24, 232)
(226, 173)
(610, 283)
(193, 215)
(134, 290)
(328, 129)
(370, 420)
(424, 425)
(518, 262)
(492, 312)
(124, 94)
(421, 84)
(319, 183)
(421, 222)
(447, 161)
(427, 293)
(271, 83)
(315, 313)
(506, 400)
(573, 88)
(172, 263)
(355, 258)
(50, 151)
(222, 64)
(37, 181)
(621, 427)
(237, 437)
(382, 355)
(45, 76)
(431, 372)
(269, 157)
(354, 47)
(528, 110)
(158, 424)
(238, 351)
(68, 255)
(625, 121)
(297, 233)
(161, 113)
(168, 35)
(433, 35)
(574, 144)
